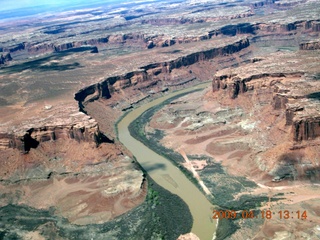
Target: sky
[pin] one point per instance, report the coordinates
(9, 4)
(16, 4)
(21, 8)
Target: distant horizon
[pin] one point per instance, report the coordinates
(9, 5)
(26, 8)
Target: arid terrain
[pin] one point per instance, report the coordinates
(251, 122)
(250, 140)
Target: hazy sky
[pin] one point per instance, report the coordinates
(15, 4)
(9, 4)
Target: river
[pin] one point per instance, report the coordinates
(169, 176)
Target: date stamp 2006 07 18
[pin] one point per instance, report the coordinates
(264, 214)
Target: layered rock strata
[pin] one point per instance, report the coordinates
(260, 121)
(309, 45)
(294, 92)
(74, 126)
(59, 159)
(161, 40)
(146, 73)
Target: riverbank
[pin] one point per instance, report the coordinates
(168, 175)
(162, 216)
(224, 190)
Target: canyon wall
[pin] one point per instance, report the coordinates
(104, 89)
(301, 112)
(276, 4)
(78, 127)
(306, 128)
(309, 45)
(236, 85)
(265, 28)
(304, 119)
(260, 4)
(161, 40)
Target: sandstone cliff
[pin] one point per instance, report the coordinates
(232, 30)
(304, 117)
(266, 28)
(75, 126)
(262, 3)
(302, 114)
(276, 3)
(53, 161)
(309, 45)
(104, 89)
(236, 85)
(161, 40)
(293, 92)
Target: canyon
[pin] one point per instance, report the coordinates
(68, 77)
(259, 122)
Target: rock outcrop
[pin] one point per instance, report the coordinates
(232, 30)
(51, 47)
(276, 3)
(292, 92)
(4, 58)
(309, 45)
(302, 114)
(266, 28)
(304, 117)
(104, 89)
(236, 85)
(76, 126)
(161, 40)
(262, 3)
(170, 21)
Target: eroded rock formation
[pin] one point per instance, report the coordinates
(4, 58)
(161, 40)
(105, 88)
(294, 93)
(61, 153)
(76, 126)
(309, 45)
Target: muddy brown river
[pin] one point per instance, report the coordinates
(169, 176)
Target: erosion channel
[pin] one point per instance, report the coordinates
(162, 171)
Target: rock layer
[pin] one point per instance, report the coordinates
(161, 40)
(294, 93)
(309, 46)
(76, 126)
(105, 88)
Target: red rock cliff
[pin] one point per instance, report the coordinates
(76, 126)
(105, 88)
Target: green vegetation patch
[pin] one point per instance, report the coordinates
(226, 227)
(152, 139)
(162, 216)
(223, 186)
